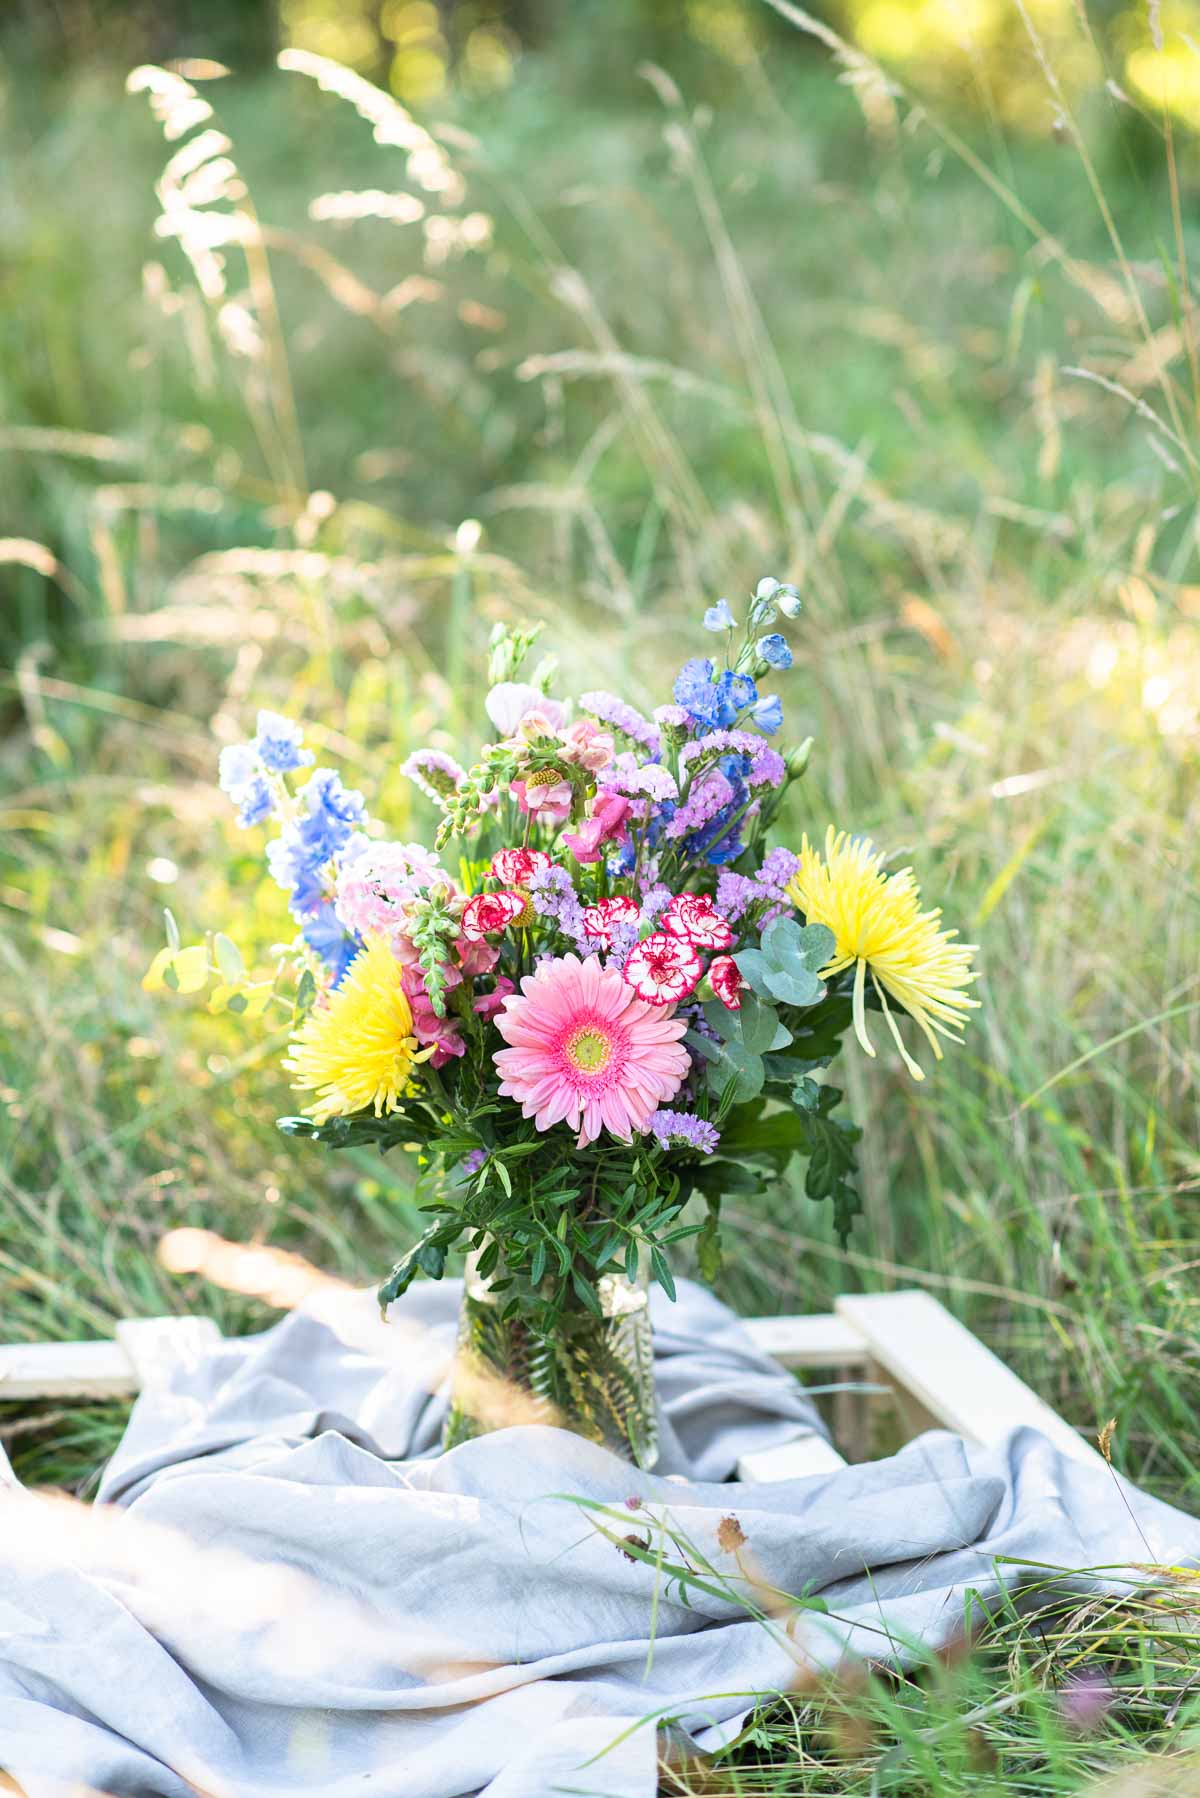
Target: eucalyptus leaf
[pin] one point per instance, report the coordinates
(785, 966)
(229, 958)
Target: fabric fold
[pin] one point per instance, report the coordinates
(285, 1587)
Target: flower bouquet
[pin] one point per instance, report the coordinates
(599, 1001)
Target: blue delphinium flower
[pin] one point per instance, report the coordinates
(719, 617)
(280, 744)
(694, 688)
(713, 701)
(293, 867)
(255, 801)
(332, 813)
(240, 775)
(237, 766)
(327, 937)
(623, 860)
(774, 650)
(768, 713)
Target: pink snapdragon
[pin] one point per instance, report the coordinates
(488, 1004)
(605, 825)
(548, 798)
(443, 1035)
(587, 746)
(514, 707)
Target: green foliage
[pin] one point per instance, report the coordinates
(785, 967)
(828, 1143)
(736, 1069)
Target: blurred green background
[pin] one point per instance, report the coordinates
(588, 313)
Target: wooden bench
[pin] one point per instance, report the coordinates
(899, 1351)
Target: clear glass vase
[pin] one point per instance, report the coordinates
(593, 1374)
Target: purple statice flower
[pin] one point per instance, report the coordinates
(683, 1129)
(624, 936)
(710, 795)
(434, 773)
(761, 765)
(553, 896)
(471, 1163)
(654, 900)
(736, 893)
(768, 713)
(645, 780)
(279, 744)
(778, 867)
(608, 709)
(325, 936)
(713, 701)
(774, 650)
(673, 723)
(719, 617)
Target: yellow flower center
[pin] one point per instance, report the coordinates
(589, 1051)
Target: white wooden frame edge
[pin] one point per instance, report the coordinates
(941, 1375)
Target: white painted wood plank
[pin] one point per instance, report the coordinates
(806, 1454)
(156, 1346)
(66, 1370)
(824, 1341)
(950, 1372)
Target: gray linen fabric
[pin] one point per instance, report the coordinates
(285, 1588)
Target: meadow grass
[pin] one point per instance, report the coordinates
(793, 331)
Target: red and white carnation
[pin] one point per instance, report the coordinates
(663, 968)
(694, 918)
(517, 867)
(726, 981)
(601, 920)
(488, 912)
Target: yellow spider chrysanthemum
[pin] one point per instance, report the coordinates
(878, 923)
(357, 1048)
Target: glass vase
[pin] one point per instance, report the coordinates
(594, 1374)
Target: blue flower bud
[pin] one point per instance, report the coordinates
(719, 617)
(774, 650)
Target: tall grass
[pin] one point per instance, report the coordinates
(593, 363)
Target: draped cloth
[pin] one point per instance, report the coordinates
(285, 1587)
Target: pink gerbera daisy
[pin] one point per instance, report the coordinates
(586, 1051)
